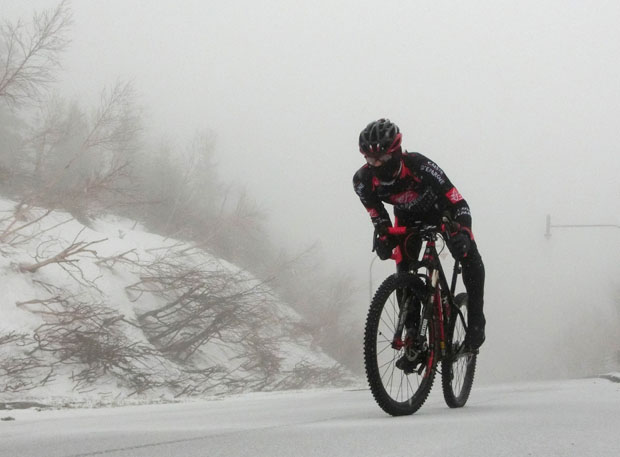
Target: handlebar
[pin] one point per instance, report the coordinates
(447, 228)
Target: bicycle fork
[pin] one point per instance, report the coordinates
(416, 344)
(397, 340)
(433, 313)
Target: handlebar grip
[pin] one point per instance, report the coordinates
(397, 230)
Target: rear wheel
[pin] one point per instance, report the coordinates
(457, 369)
(397, 391)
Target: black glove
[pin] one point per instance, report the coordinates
(383, 245)
(459, 244)
(384, 248)
(382, 229)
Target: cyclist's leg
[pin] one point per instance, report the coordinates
(412, 247)
(473, 278)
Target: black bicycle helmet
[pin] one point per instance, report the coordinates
(379, 138)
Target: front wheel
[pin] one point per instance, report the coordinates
(458, 368)
(398, 391)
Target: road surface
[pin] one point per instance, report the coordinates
(563, 418)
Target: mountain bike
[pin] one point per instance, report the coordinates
(415, 322)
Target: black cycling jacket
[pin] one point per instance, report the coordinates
(421, 192)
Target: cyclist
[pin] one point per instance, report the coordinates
(420, 192)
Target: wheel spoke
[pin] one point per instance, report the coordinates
(389, 362)
(395, 310)
(385, 348)
(389, 327)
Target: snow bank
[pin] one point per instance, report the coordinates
(111, 313)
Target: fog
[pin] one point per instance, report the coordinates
(519, 103)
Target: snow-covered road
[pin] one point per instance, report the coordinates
(563, 418)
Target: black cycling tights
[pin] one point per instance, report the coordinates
(473, 278)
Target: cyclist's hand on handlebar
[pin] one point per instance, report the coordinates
(384, 247)
(382, 230)
(459, 244)
(449, 225)
(382, 243)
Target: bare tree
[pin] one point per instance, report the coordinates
(78, 162)
(180, 183)
(29, 53)
(11, 142)
(81, 160)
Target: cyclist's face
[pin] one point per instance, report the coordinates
(377, 161)
(385, 167)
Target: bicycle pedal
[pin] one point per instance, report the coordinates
(465, 351)
(469, 352)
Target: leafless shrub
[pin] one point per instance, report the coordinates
(20, 371)
(91, 337)
(305, 374)
(22, 225)
(206, 306)
(201, 304)
(262, 357)
(65, 256)
(199, 381)
(122, 258)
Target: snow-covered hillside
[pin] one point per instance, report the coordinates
(109, 312)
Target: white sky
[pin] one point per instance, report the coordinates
(485, 88)
(519, 102)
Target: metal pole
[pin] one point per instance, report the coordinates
(549, 225)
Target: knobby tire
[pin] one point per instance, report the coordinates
(457, 374)
(394, 391)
